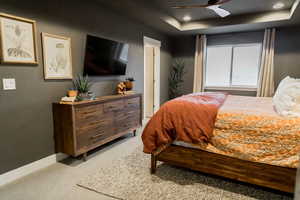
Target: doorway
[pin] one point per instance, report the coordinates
(151, 76)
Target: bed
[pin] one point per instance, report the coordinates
(250, 142)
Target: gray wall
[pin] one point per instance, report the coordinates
(287, 52)
(183, 48)
(26, 116)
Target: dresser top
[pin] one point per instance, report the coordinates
(100, 99)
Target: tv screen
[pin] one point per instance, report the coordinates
(105, 57)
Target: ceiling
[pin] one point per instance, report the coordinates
(236, 7)
(246, 15)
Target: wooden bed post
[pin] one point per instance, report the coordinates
(154, 156)
(153, 163)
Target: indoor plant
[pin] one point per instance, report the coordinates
(176, 79)
(83, 85)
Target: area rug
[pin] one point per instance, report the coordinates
(129, 178)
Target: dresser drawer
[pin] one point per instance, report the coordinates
(88, 112)
(95, 125)
(113, 106)
(127, 125)
(92, 138)
(127, 115)
(132, 102)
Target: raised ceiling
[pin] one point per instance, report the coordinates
(236, 7)
(246, 15)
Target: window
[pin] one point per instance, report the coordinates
(232, 66)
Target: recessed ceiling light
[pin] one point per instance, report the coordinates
(278, 5)
(187, 18)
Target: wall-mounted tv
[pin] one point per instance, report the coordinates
(105, 57)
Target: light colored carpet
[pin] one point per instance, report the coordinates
(129, 178)
(59, 181)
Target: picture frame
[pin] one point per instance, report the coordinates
(18, 40)
(57, 56)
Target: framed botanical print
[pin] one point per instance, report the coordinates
(18, 40)
(57, 57)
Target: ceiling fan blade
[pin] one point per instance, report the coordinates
(200, 6)
(220, 11)
(190, 6)
(222, 2)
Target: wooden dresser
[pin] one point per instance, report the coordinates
(82, 126)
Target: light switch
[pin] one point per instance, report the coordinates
(9, 84)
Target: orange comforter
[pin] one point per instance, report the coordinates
(249, 128)
(188, 118)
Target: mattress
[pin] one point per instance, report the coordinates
(248, 128)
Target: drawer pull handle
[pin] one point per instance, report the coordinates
(89, 112)
(97, 122)
(98, 135)
(87, 117)
(94, 123)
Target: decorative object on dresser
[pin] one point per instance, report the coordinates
(129, 83)
(18, 40)
(121, 88)
(68, 99)
(82, 126)
(83, 85)
(72, 93)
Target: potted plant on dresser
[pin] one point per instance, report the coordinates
(83, 85)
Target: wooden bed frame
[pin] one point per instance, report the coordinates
(275, 177)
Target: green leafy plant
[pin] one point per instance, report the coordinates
(82, 84)
(176, 79)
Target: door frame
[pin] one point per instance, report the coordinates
(150, 42)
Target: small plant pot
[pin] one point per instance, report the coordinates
(72, 93)
(84, 96)
(129, 85)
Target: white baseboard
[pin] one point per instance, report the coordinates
(18, 173)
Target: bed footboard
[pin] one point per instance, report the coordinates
(275, 177)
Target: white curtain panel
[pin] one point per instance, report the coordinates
(199, 63)
(266, 76)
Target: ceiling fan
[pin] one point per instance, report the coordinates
(211, 5)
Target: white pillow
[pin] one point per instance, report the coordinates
(287, 97)
(282, 83)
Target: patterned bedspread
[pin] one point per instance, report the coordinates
(248, 128)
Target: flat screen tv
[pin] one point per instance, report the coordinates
(105, 57)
